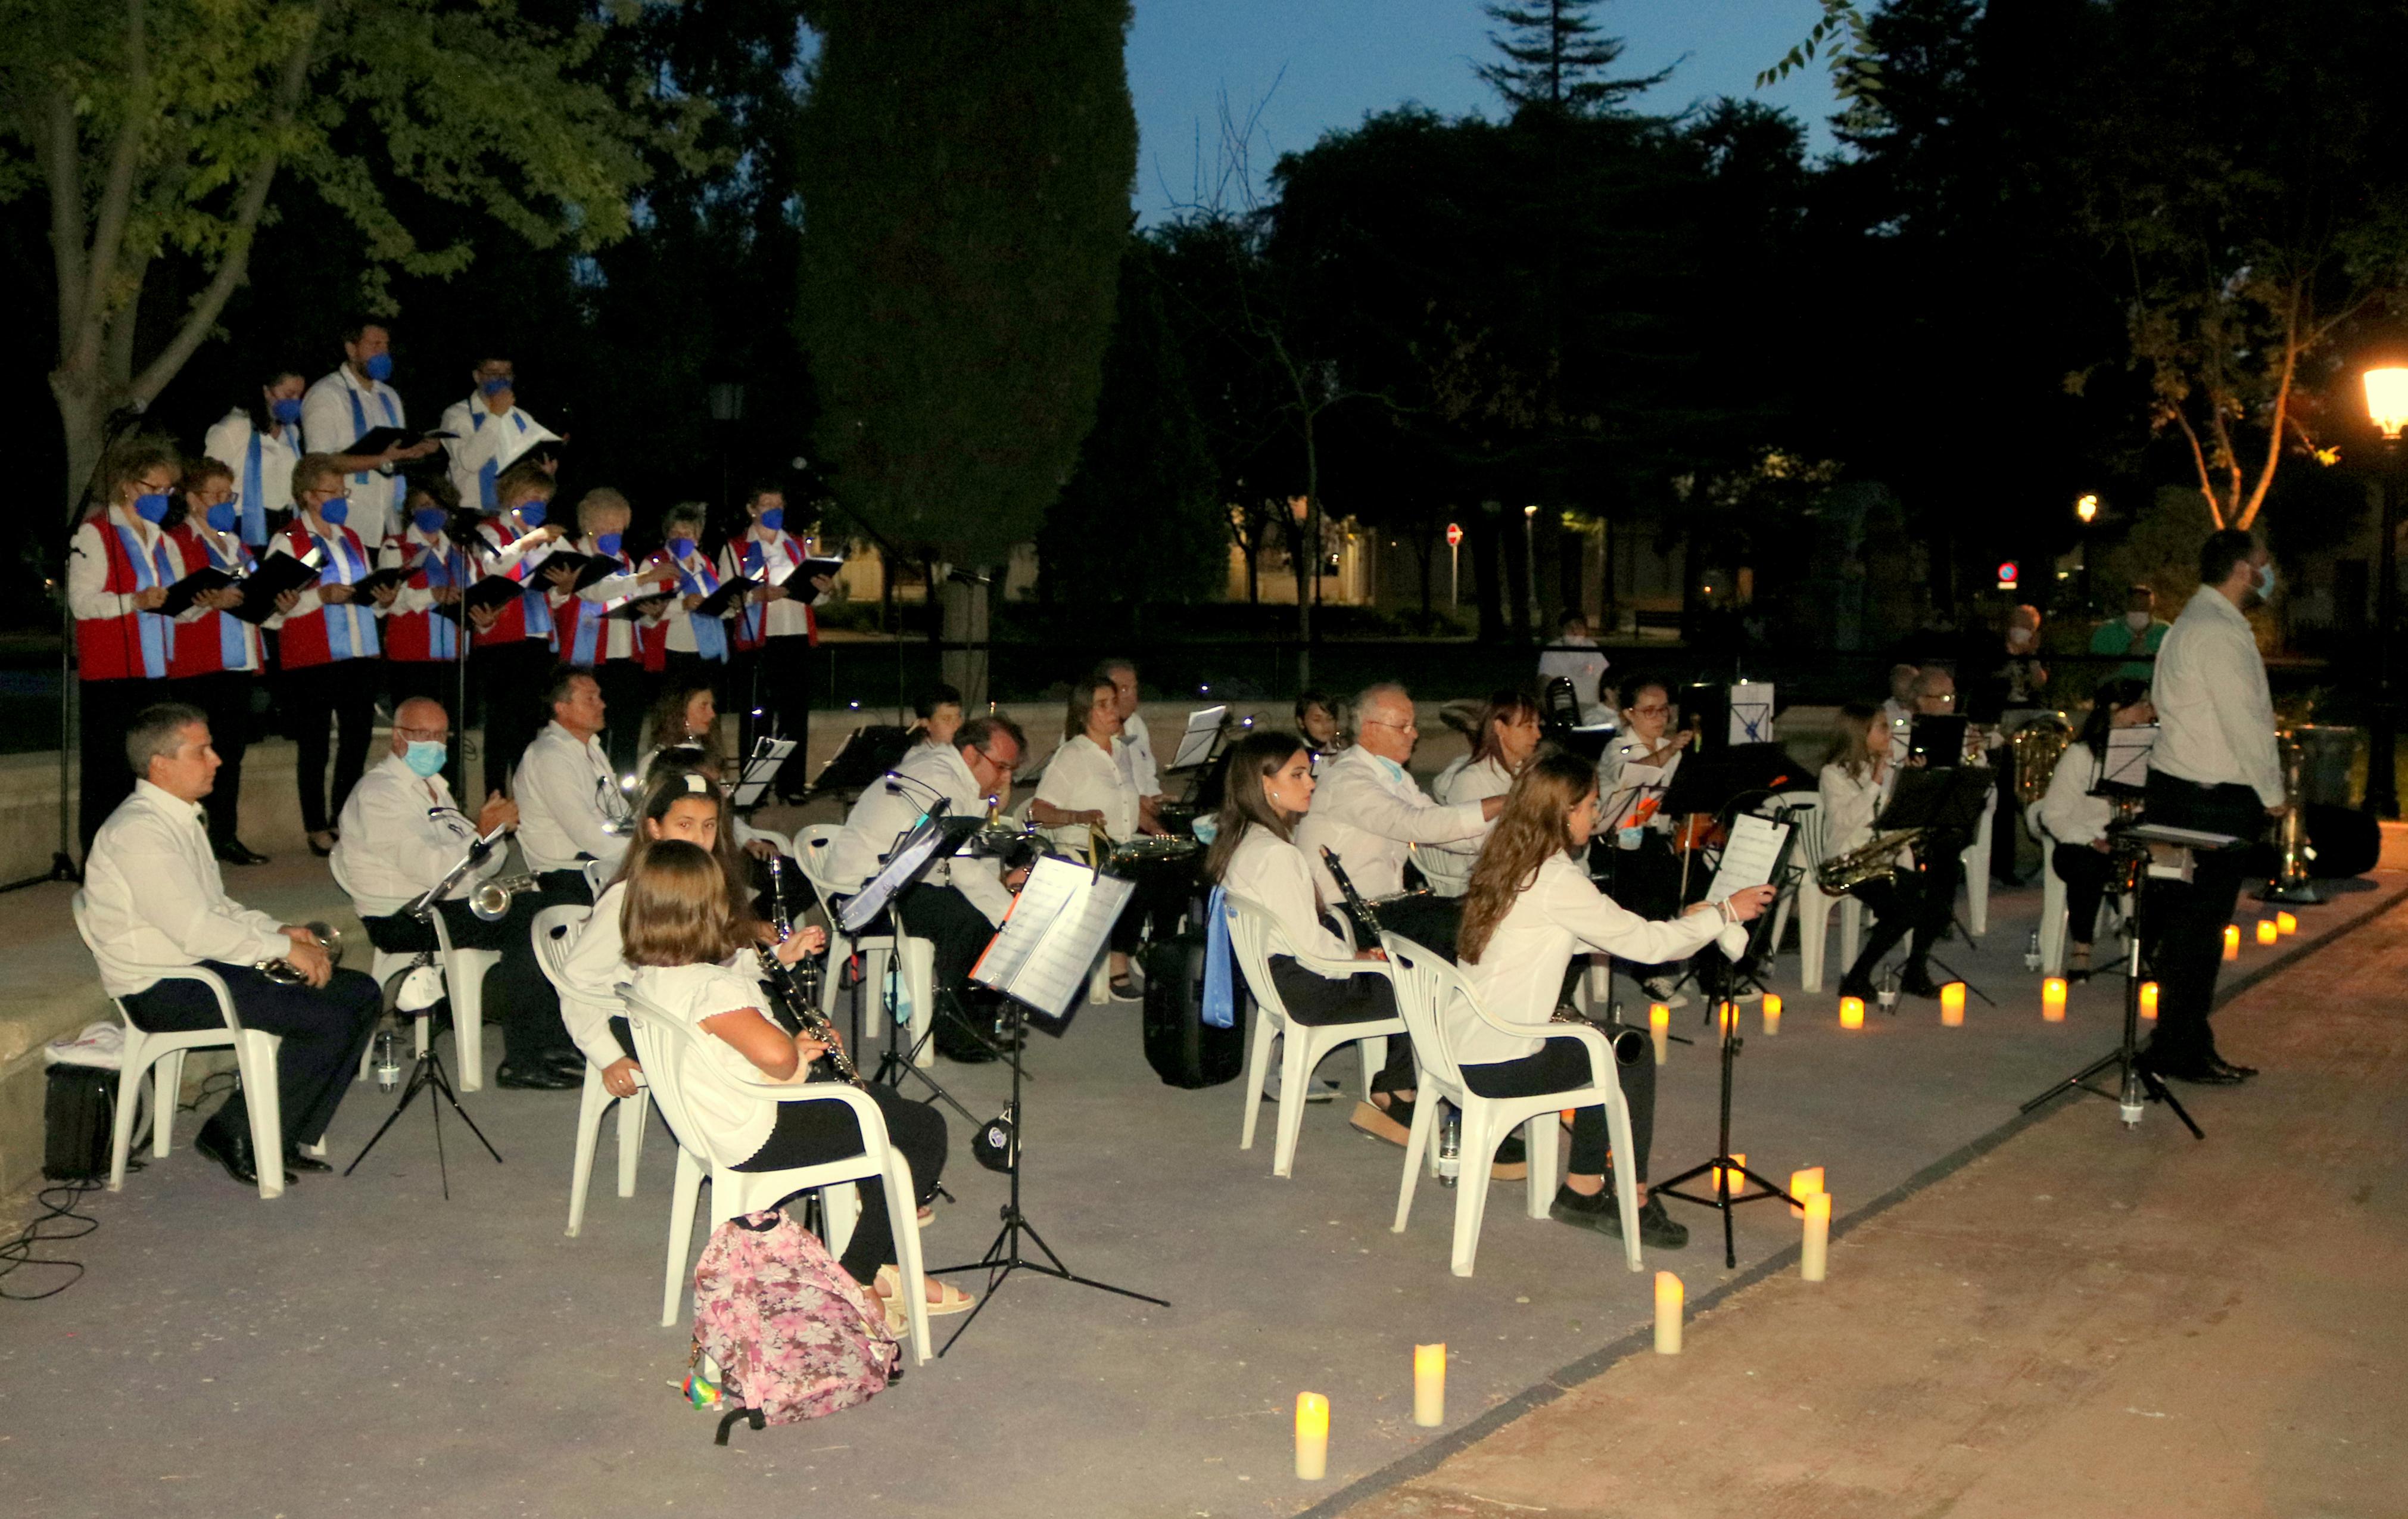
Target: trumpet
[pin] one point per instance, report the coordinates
(491, 900)
(284, 972)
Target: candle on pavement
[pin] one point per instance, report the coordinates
(1429, 1386)
(1667, 1313)
(1312, 1437)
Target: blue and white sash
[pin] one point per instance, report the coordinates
(157, 633)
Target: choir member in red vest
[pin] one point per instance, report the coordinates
(515, 647)
(327, 648)
(776, 631)
(120, 566)
(623, 652)
(219, 657)
(422, 644)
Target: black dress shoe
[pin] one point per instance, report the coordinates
(566, 1062)
(2208, 1071)
(1918, 982)
(535, 1077)
(230, 1148)
(234, 851)
(968, 1053)
(1857, 986)
(2245, 1072)
(295, 1161)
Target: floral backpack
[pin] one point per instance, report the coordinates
(784, 1324)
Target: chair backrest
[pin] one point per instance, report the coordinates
(1812, 834)
(667, 1050)
(1425, 987)
(553, 936)
(1255, 937)
(812, 845)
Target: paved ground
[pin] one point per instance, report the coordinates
(2083, 1321)
(362, 1346)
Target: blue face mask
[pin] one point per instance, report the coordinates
(425, 757)
(683, 548)
(608, 542)
(498, 384)
(2266, 581)
(285, 409)
(153, 507)
(378, 367)
(530, 512)
(430, 520)
(774, 519)
(222, 517)
(335, 511)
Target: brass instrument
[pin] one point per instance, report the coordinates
(2291, 881)
(1876, 859)
(2037, 744)
(491, 900)
(284, 972)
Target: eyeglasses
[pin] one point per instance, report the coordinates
(1406, 726)
(1651, 712)
(425, 735)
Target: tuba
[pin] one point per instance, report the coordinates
(2291, 881)
(2038, 745)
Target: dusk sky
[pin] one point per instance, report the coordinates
(1344, 58)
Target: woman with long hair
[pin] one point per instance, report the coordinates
(2076, 822)
(688, 945)
(685, 715)
(1085, 787)
(1504, 733)
(1255, 856)
(1855, 787)
(1530, 909)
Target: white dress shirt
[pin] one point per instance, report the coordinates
(1271, 873)
(154, 901)
(2215, 717)
(480, 436)
(399, 835)
(1521, 971)
(329, 424)
(1082, 777)
(2068, 815)
(887, 810)
(229, 443)
(1581, 662)
(1618, 775)
(1449, 866)
(788, 616)
(1369, 811)
(1133, 751)
(560, 785)
(590, 976)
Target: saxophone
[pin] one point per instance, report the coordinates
(1876, 859)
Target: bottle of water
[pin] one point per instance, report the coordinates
(388, 1060)
(1450, 1147)
(2032, 951)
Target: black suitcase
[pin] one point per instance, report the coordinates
(1182, 1049)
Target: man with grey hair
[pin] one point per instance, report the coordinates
(155, 906)
(1370, 812)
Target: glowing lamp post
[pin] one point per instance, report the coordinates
(2386, 403)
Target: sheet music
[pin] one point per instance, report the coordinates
(1054, 886)
(1751, 713)
(768, 758)
(1197, 742)
(901, 867)
(1751, 856)
(2126, 761)
(1042, 954)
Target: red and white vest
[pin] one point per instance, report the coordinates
(215, 641)
(134, 645)
(325, 634)
(530, 615)
(418, 634)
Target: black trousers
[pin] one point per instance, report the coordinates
(2085, 871)
(343, 694)
(815, 1133)
(323, 1030)
(684, 668)
(2186, 920)
(1319, 1001)
(959, 932)
(626, 694)
(563, 888)
(516, 988)
(1920, 903)
(226, 695)
(437, 680)
(1562, 1065)
(510, 677)
(107, 708)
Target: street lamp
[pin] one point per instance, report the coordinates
(2386, 403)
(2087, 508)
(2086, 511)
(1530, 564)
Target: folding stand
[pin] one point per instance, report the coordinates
(1722, 1167)
(1947, 801)
(429, 1072)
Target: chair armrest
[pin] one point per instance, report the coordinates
(864, 1109)
(1323, 966)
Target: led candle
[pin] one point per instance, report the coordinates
(1729, 1176)
(1667, 1313)
(2148, 999)
(1952, 1005)
(1851, 1012)
(2232, 941)
(1803, 1185)
(1312, 1437)
(1429, 1386)
(2052, 999)
(1772, 1013)
(1814, 1255)
(1659, 1027)
(2287, 923)
(1727, 1021)
(2267, 932)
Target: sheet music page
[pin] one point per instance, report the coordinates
(2128, 756)
(1634, 799)
(1751, 713)
(1055, 887)
(1196, 742)
(899, 869)
(1748, 859)
(1056, 975)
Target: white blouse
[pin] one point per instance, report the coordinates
(733, 1123)
(1084, 776)
(2068, 814)
(1271, 872)
(1521, 971)
(1448, 867)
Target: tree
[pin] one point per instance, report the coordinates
(965, 178)
(157, 130)
(1555, 59)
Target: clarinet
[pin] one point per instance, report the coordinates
(797, 989)
(1355, 902)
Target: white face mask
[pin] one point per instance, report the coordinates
(2137, 622)
(2018, 637)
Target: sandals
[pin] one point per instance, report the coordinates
(1125, 988)
(949, 1299)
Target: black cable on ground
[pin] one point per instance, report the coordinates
(59, 1206)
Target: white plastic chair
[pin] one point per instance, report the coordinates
(2056, 918)
(1255, 937)
(463, 984)
(670, 1055)
(1976, 861)
(254, 1055)
(554, 932)
(1428, 992)
(1814, 906)
(812, 844)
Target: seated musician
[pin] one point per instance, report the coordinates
(1084, 788)
(1637, 856)
(1530, 909)
(936, 715)
(402, 833)
(958, 905)
(1916, 901)
(155, 904)
(571, 808)
(2076, 822)
(1317, 718)
(1369, 814)
(684, 723)
(679, 930)
(1504, 732)
(1255, 856)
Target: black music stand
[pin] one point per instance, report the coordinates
(1946, 802)
(935, 838)
(866, 754)
(1722, 1166)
